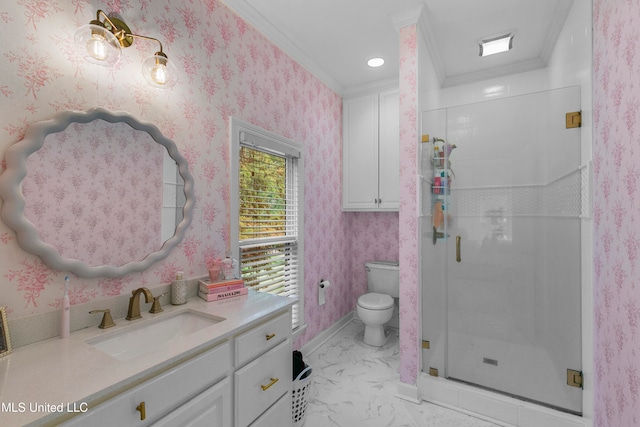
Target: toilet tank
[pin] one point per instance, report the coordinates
(383, 277)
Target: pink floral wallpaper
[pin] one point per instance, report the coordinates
(408, 220)
(373, 237)
(227, 68)
(94, 191)
(616, 165)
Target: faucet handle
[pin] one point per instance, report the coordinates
(107, 320)
(156, 307)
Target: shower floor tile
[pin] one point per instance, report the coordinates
(355, 385)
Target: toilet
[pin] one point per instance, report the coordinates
(375, 308)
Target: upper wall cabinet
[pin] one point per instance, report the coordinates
(371, 158)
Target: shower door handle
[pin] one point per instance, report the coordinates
(458, 258)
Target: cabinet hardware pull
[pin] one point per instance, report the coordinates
(273, 381)
(143, 412)
(458, 258)
(269, 336)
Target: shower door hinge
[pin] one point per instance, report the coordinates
(574, 119)
(574, 378)
(426, 344)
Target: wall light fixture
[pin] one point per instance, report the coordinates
(101, 41)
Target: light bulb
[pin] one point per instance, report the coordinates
(159, 74)
(96, 47)
(159, 71)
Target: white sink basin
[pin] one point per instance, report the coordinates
(152, 335)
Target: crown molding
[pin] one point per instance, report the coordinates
(244, 10)
(391, 83)
(490, 73)
(408, 16)
(559, 18)
(429, 39)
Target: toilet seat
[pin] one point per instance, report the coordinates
(375, 301)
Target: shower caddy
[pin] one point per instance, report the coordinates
(440, 185)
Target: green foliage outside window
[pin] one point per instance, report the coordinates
(262, 194)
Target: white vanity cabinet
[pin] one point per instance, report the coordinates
(263, 376)
(233, 372)
(371, 157)
(186, 394)
(243, 380)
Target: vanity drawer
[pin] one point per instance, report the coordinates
(262, 338)
(278, 415)
(160, 394)
(261, 383)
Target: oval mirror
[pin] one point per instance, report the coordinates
(96, 193)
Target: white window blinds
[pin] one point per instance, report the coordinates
(268, 219)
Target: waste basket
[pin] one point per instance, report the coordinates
(299, 396)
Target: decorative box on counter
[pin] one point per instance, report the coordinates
(220, 289)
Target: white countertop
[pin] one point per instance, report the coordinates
(60, 372)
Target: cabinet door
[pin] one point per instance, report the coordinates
(360, 153)
(389, 166)
(212, 407)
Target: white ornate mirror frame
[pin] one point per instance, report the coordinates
(13, 209)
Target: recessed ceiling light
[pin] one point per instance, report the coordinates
(375, 62)
(496, 44)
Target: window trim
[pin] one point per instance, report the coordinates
(268, 141)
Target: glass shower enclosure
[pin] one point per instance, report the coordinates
(501, 202)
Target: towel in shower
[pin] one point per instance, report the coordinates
(438, 215)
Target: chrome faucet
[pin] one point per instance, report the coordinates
(134, 302)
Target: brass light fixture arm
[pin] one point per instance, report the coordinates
(147, 38)
(122, 31)
(105, 37)
(111, 23)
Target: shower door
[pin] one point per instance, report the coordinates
(513, 249)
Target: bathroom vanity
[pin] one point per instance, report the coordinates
(232, 367)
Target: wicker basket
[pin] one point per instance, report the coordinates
(299, 396)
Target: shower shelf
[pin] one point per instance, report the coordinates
(440, 192)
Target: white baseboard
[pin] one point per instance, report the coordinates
(494, 407)
(408, 392)
(313, 344)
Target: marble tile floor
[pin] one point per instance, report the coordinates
(355, 385)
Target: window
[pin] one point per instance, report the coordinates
(266, 212)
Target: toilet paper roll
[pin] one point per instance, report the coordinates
(323, 285)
